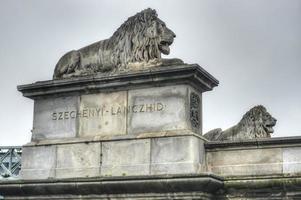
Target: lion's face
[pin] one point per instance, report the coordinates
(259, 120)
(163, 35)
(268, 122)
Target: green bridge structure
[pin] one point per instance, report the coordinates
(10, 161)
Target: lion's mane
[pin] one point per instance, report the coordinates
(129, 42)
(253, 122)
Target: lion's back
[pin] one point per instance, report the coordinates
(94, 54)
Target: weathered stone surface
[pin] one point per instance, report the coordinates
(78, 160)
(158, 109)
(155, 109)
(123, 158)
(176, 155)
(190, 74)
(245, 162)
(136, 42)
(105, 114)
(292, 160)
(38, 162)
(195, 111)
(53, 118)
(188, 186)
(256, 123)
(272, 187)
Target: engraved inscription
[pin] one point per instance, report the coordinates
(195, 110)
(107, 110)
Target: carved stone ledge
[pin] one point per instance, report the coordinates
(127, 186)
(255, 143)
(191, 74)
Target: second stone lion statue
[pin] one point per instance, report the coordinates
(256, 123)
(142, 38)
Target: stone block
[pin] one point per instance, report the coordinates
(158, 109)
(103, 114)
(127, 157)
(78, 160)
(176, 155)
(55, 118)
(245, 161)
(38, 162)
(292, 160)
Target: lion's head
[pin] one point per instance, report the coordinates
(257, 122)
(142, 37)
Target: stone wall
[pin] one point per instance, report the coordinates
(173, 154)
(165, 167)
(254, 158)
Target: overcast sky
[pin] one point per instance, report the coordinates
(253, 47)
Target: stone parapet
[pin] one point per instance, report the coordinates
(254, 157)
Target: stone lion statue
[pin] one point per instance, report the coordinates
(256, 123)
(138, 41)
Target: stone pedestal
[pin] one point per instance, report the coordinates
(133, 124)
(139, 136)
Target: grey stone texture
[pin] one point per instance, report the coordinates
(162, 155)
(245, 162)
(292, 160)
(188, 186)
(262, 157)
(158, 155)
(195, 186)
(48, 117)
(125, 158)
(104, 118)
(78, 160)
(176, 155)
(38, 162)
(165, 108)
(188, 74)
(125, 124)
(151, 101)
(139, 111)
(256, 123)
(136, 44)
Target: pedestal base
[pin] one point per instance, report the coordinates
(174, 153)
